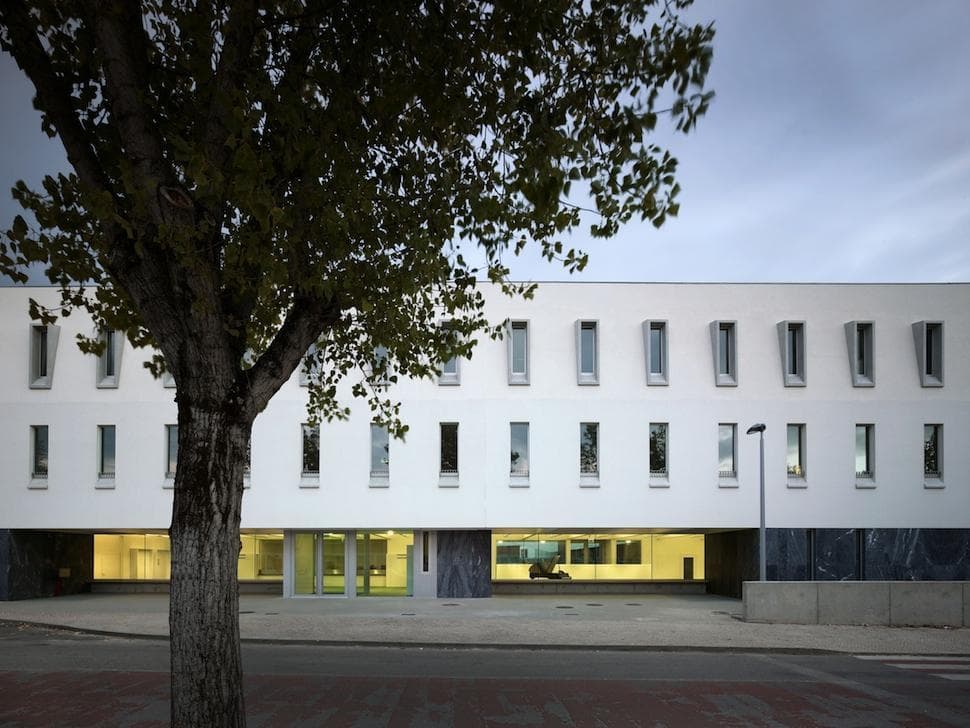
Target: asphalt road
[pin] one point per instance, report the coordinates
(54, 677)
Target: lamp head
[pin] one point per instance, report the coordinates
(756, 428)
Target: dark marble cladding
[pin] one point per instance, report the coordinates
(836, 554)
(730, 558)
(464, 564)
(917, 554)
(788, 554)
(30, 563)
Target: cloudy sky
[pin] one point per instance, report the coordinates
(837, 149)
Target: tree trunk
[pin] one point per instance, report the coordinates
(204, 605)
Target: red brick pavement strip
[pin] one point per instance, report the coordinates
(140, 699)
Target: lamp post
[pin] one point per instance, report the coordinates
(762, 561)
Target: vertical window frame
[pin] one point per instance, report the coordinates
(934, 478)
(661, 378)
(796, 476)
(860, 338)
(728, 478)
(866, 478)
(793, 363)
(928, 338)
(448, 477)
(588, 377)
(726, 351)
(519, 477)
(43, 353)
(519, 378)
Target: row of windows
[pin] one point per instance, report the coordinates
(860, 340)
(589, 451)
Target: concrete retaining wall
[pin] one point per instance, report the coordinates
(892, 603)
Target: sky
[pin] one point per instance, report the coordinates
(837, 149)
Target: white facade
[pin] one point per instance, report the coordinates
(624, 497)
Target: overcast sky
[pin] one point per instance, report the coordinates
(837, 149)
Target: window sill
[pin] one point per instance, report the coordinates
(794, 381)
(246, 481)
(104, 484)
(727, 482)
(930, 381)
(518, 380)
(518, 481)
(449, 381)
(37, 484)
(865, 484)
(933, 483)
(447, 480)
(657, 380)
(588, 381)
(589, 481)
(168, 483)
(310, 481)
(379, 481)
(659, 481)
(797, 483)
(863, 382)
(40, 383)
(726, 380)
(108, 383)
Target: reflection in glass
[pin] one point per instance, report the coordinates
(172, 452)
(658, 448)
(311, 449)
(589, 448)
(863, 451)
(380, 458)
(449, 448)
(385, 563)
(106, 459)
(725, 450)
(587, 340)
(519, 448)
(794, 461)
(39, 436)
(931, 450)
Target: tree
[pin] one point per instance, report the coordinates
(255, 181)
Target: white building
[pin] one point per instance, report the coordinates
(605, 434)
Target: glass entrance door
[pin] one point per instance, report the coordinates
(385, 563)
(318, 563)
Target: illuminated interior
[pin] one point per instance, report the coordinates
(384, 563)
(138, 556)
(598, 556)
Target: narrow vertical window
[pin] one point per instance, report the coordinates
(518, 352)
(380, 457)
(248, 465)
(860, 337)
(658, 449)
(795, 456)
(311, 449)
(655, 351)
(43, 348)
(450, 373)
(727, 450)
(519, 448)
(589, 448)
(380, 365)
(449, 448)
(106, 452)
(793, 351)
(109, 353)
(928, 337)
(933, 451)
(864, 465)
(109, 361)
(587, 352)
(425, 551)
(38, 451)
(724, 340)
(172, 450)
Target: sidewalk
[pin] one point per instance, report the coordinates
(533, 622)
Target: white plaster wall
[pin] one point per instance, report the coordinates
(554, 405)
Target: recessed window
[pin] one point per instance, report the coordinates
(933, 452)
(860, 337)
(171, 450)
(518, 352)
(792, 338)
(106, 452)
(450, 371)
(928, 337)
(109, 361)
(589, 449)
(724, 340)
(865, 465)
(39, 451)
(727, 450)
(795, 455)
(449, 449)
(380, 451)
(655, 351)
(43, 350)
(658, 449)
(311, 450)
(519, 450)
(587, 351)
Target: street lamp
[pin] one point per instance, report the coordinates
(762, 568)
